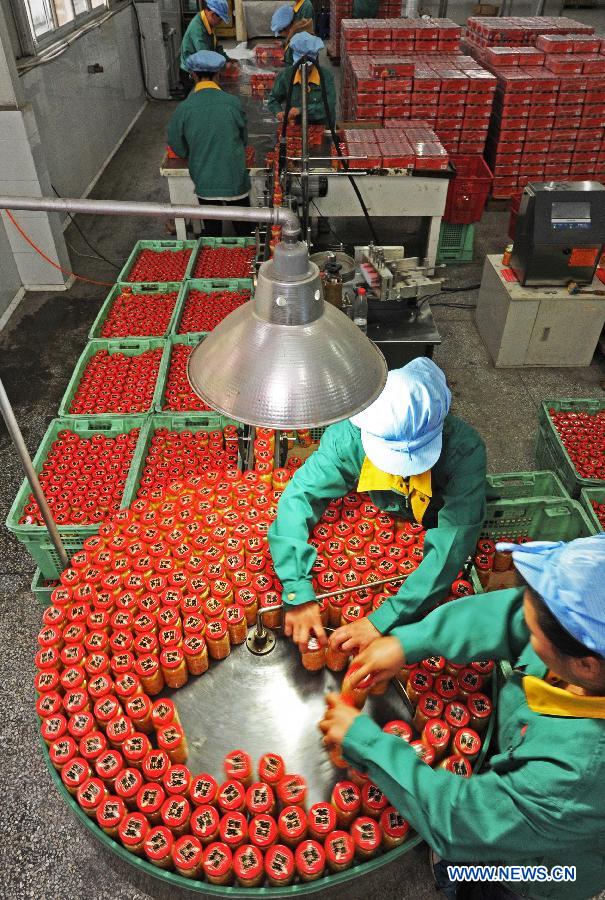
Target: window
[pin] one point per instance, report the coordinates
(41, 21)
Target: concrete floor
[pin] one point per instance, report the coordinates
(44, 853)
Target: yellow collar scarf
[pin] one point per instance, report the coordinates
(205, 22)
(298, 5)
(313, 77)
(549, 700)
(418, 488)
(206, 85)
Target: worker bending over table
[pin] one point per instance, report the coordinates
(209, 130)
(542, 798)
(303, 44)
(285, 26)
(418, 462)
(200, 31)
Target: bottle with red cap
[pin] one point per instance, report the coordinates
(231, 796)
(346, 800)
(204, 823)
(280, 867)
(203, 790)
(218, 863)
(292, 791)
(395, 828)
(187, 856)
(263, 831)
(367, 837)
(233, 829)
(248, 866)
(158, 846)
(150, 799)
(340, 850)
(238, 765)
(109, 815)
(260, 799)
(310, 860)
(133, 830)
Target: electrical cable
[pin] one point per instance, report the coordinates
(55, 265)
(344, 162)
(98, 253)
(457, 290)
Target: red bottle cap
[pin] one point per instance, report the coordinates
(292, 790)
(400, 728)
(340, 848)
(238, 765)
(310, 859)
(49, 704)
(467, 743)
(480, 706)
(109, 764)
(248, 863)
(421, 680)
(436, 733)
(393, 824)
(53, 727)
(218, 860)
(92, 745)
(346, 796)
(175, 811)
(279, 863)
(470, 681)
(136, 747)
(155, 765)
(106, 709)
(231, 796)
(177, 780)
(446, 687)
(128, 783)
(187, 852)
(434, 664)
(292, 823)
(373, 798)
(426, 754)
(133, 829)
(431, 705)
(158, 843)
(259, 798)
(110, 812)
(62, 751)
(233, 829)
(321, 819)
(204, 789)
(91, 793)
(150, 798)
(366, 834)
(205, 822)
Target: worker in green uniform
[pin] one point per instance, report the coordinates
(418, 462)
(200, 31)
(304, 45)
(209, 130)
(542, 798)
(285, 26)
(303, 9)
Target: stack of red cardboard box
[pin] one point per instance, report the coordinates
(518, 31)
(394, 33)
(405, 144)
(450, 92)
(548, 119)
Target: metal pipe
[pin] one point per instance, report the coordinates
(277, 450)
(277, 216)
(304, 174)
(31, 475)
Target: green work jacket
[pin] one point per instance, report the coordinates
(209, 130)
(541, 800)
(453, 517)
(305, 11)
(198, 38)
(279, 93)
(365, 9)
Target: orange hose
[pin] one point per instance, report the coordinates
(55, 265)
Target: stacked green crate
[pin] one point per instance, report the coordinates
(550, 450)
(588, 496)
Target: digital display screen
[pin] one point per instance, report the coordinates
(570, 212)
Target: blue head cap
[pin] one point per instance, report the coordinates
(282, 18)
(570, 578)
(304, 44)
(205, 61)
(402, 429)
(220, 8)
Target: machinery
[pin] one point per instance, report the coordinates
(560, 233)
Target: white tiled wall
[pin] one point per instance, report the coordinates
(81, 117)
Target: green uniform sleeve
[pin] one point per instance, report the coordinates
(279, 92)
(514, 815)
(305, 12)
(486, 626)
(176, 134)
(446, 547)
(324, 476)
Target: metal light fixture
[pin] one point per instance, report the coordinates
(286, 359)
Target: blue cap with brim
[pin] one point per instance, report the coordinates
(402, 431)
(570, 579)
(220, 8)
(205, 61)
(305, 44)
(282, 19)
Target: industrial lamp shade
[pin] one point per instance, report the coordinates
(286, 359)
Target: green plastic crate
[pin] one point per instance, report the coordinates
(152, 245)
(217, 242)
(127, 346)
(192, 340)
(137, 288)
(550, 451)
(199, 421)
(588, 494)
(206, 284)
(455, 243)
(42, 588)
(541, 519)
(35, 537)
(524, 485)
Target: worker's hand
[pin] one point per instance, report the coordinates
(301, 622)
(280, 116)
(293, 114)
(354, 637)
(382, 659)
(337, 720)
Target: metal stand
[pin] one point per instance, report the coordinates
(31, 475)
(304, 174)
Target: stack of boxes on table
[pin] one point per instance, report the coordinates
(548, 119)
